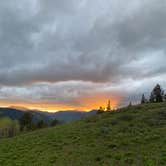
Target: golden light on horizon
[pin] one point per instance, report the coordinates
(97, 101)
(86, 104)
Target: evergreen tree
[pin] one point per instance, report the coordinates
(158, 93)
(109, 106)
(26, 121)
(143, 100)
(130, 104)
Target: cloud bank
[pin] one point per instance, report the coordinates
(69, 52)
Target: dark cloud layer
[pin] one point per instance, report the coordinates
(99, 43)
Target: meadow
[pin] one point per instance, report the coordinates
(133, 135)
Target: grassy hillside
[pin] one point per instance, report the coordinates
(131, 136)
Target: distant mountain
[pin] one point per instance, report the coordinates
(16, 114)
(11, 113)
(62, 116)
(68, 116)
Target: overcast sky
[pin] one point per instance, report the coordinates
(61, 54)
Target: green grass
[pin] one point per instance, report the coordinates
(134, 136)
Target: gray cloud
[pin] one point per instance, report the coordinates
(99, 42)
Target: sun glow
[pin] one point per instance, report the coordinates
(87, 104)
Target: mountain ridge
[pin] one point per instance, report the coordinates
(62, 116)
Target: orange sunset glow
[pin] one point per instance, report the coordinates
(86, 104)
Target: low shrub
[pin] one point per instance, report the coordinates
(126, 117)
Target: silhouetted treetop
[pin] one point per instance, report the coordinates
(157, 94)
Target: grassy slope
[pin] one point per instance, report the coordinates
(132, 136)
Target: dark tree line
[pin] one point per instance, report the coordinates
(157, 95)
(27, 124)
(11, 128)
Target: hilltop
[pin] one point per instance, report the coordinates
(130, 136)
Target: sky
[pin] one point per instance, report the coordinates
(77, 54)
